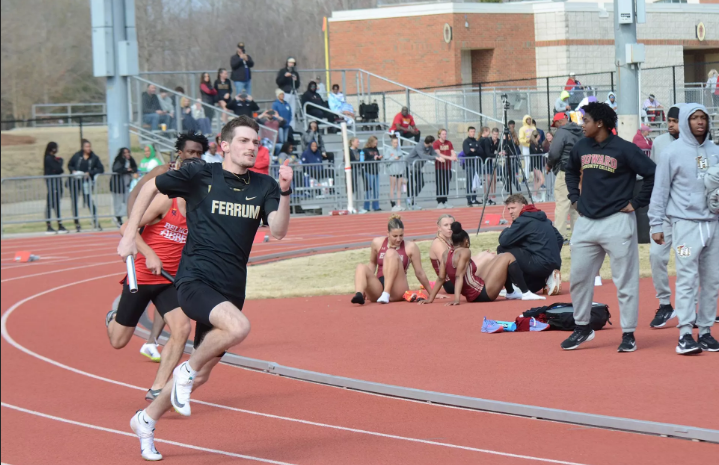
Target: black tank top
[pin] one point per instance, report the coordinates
(221, 228)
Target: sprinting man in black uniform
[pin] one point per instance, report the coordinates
(224, 205)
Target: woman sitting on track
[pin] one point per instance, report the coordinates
(457, 264)
(389, 257)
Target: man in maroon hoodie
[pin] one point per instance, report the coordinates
(535, 243)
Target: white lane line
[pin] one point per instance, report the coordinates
(116, 262)
(56, 247)
(11, 341)
(123, 433)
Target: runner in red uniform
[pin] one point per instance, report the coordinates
(160, 246)
(384, 279)
(458, 265)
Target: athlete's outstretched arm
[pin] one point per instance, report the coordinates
(280, 220)
(127, 244)
(416, 258)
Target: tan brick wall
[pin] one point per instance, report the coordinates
(412, 51)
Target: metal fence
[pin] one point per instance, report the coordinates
(69, 114)
(32, 203)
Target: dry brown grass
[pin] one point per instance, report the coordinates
(325, 274)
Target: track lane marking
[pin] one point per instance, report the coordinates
(11, 341)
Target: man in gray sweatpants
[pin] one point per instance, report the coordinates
(608, 166)
(659, 253)
(680, 196)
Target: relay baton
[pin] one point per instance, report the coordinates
(131, 276)
(167, 276)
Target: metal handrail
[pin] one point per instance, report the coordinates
(153, 137)
(306, 123)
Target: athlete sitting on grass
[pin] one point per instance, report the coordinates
(389, 258)
(458, 265)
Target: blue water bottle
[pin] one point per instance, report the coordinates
(509, 326)
(361, 155)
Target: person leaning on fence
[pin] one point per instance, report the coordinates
(124, 168)
(84, 166)
(395, 157)
(566, 136)
(52, 166)
(473, 154)
(370, 159)
(562, 103)
(443, 170)
(420, 153)
(403, 124)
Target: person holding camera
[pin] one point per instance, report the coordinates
(241, 75)
(288, 80)
(243, 104)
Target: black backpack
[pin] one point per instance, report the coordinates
(561, 316)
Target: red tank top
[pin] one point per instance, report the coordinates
(472, 284)
(435, 262)
(380, 257)
(167, 237)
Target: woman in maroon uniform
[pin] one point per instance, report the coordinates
(457, 265)
(384, 279)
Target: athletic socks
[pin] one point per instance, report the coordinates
(187, 370)
(516, 294)
(384, 298)
(358, 298)
(150, 422)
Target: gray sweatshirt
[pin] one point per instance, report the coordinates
(679, 191)
(420, 152)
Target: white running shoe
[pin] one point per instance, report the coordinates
(396, 208)
(516, 295)
(150, 351)
(440, 206)
(181, 389)
(503, 293)
(554, 283)
(529, 295)
(146, 433)
(362, 211)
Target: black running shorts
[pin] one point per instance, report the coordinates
(482, 297)
(131, 306)
(448, 287)
(197, 300)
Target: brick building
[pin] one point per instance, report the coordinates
(440, 44)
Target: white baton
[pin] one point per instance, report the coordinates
(131, 276)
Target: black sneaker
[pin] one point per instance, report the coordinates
(77, 228)
(628, 343)
(61, 229)
(664, 314)
(108, 317)
(688, 346)
(708, 343)
(579, 336)
(491, 202)
(50, 230)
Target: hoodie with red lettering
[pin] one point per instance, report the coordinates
(608, 173)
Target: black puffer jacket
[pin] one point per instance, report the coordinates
(533, 232)
(285, 82)
(562, 144)
(94, 165)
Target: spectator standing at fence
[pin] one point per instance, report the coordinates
(525, 138)
(540, 131)
(420, 153)
(240, 63)
(473, 154)
(370, 158)
(641, 138)
(243, 104)
(208, 93)
(443, 171)
(490, 147)
(612, 100)
(681, 197)
(567, 135)
(713, 88)
(485, 133)
(403, 124)
(536, 165)
(549, 137)
(213, 155)
(124, 168)
(562, 103)
(152, 112)
(395, 157)
(289, 81)
(284, 110)
(223, 86)
(52, 166)
(84, 165)
(659, 253)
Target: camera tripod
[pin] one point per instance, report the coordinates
(512, 161)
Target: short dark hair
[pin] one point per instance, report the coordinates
(471, 128)
(495, 130)
(429, 140)
(85, 141)
(516, 198)
(600, 111)
(511, 121)
(228, 130)
(193, 137)
(335, 86)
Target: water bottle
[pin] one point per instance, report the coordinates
(509, 326)
(361, 155)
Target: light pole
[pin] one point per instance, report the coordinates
(628, 56)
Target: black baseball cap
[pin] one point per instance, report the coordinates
(241, 45)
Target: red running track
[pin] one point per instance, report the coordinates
(60, 365)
